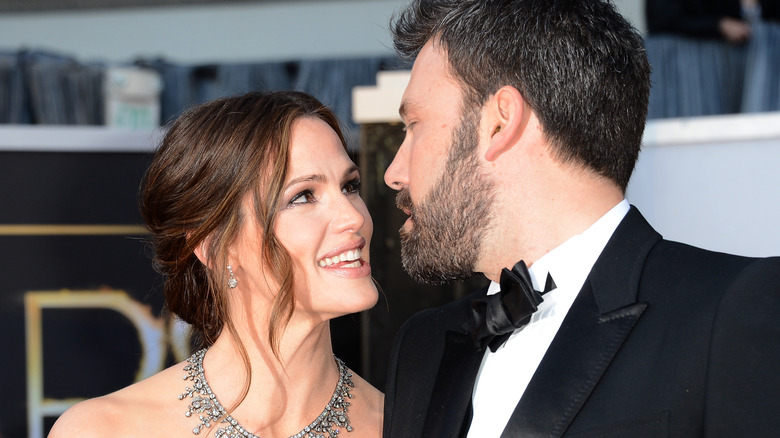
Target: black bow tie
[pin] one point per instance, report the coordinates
(495, 317)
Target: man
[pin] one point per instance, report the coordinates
(524, 120)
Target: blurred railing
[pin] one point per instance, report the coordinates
(691, 77)
(47, 88)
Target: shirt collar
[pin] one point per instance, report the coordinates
(570, 262)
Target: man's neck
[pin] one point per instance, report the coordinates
(546, 215)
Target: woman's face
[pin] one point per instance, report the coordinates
(324, 225)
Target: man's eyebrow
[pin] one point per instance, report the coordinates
(406, 107)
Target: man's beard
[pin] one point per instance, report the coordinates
(450, 222)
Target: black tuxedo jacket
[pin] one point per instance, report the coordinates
(664, 339)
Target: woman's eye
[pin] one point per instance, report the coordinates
(351, 187)
(304, 197)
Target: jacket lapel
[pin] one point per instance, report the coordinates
(451, 400)
(576, 360)
(593, 331)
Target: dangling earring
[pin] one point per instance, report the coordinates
(232, 282)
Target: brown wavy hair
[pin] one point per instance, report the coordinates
(211, 157)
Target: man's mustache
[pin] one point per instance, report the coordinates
(403, 200)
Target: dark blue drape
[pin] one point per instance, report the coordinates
(762, 76)
(698, 77)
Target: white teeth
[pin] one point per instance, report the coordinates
(347, 256)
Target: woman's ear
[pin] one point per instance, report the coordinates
(507, 115)
(201, 252)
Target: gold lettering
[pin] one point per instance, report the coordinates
(151, 334)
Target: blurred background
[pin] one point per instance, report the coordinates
(86, 84)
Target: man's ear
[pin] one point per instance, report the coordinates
(508, 115)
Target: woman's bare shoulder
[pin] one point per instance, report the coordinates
(367, 408)
(90, 418)
(137, 410)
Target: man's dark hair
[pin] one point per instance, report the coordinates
(579, 64)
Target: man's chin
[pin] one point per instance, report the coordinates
(430, 271)
(437, 278)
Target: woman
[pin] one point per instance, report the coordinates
(263, 238)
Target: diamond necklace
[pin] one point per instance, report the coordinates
(204, 403)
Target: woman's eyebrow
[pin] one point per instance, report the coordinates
(305, 178)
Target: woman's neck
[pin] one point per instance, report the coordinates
(285, 393)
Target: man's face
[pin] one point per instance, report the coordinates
(442, 187)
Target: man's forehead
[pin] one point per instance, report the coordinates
(429, 74)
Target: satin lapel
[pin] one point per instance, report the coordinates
(576, 360)
(593, 331)
(453, 388)
(595, 328)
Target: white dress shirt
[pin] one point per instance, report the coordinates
(504, 375)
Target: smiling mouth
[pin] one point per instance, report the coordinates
(347, 259)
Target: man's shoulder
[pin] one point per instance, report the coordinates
(678, 272)
(445, 317)
(687, 257)
(635, 228)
